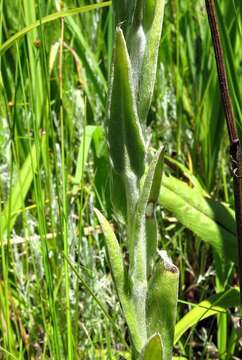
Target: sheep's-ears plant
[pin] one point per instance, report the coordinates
(147, 287)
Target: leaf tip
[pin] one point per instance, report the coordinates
(167, 262)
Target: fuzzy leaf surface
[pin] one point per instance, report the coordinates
(126, 143)
(153, 349)
(139, 242)
(150, 217)
(143, 39)
(121, 281)
(124, 132)
(162, 302)
(148, 194)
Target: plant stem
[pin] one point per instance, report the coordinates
(64, 187)
(235, 148)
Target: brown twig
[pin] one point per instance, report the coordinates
(235, 148)
(223, 82)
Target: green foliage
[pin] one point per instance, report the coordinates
(55, 170)
(121, 282)
(216, 223)
(6, 45)
(20, 189)
(145, 291)
(153, 349)
(216, 304)
(162, 302)
(124, 133)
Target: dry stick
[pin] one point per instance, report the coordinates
(235, 149)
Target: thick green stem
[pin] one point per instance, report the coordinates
(147, 292)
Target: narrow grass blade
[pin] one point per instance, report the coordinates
(90, 291)
(218, 303)
(5, 46)
(8, 354)
(232, 64)
(19, 192)
(90, 63)
(82, 156)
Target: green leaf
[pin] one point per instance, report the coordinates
(114, 253)
(185, 173)
(125, 138)
(232, 65)
(150, 217)
(162, 302)
(153, 21)
(52, 17)
(90, 63)
(20, 189)
(153, 349)
(118, 197)
(218, 303)
(90, 291)
(138, 242)
(156, 182)
(82, 156)
(143, 39)
(126, 143)
(211, 221)
(148, 196)
(121, 281)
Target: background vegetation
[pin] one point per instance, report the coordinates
(56, 295)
